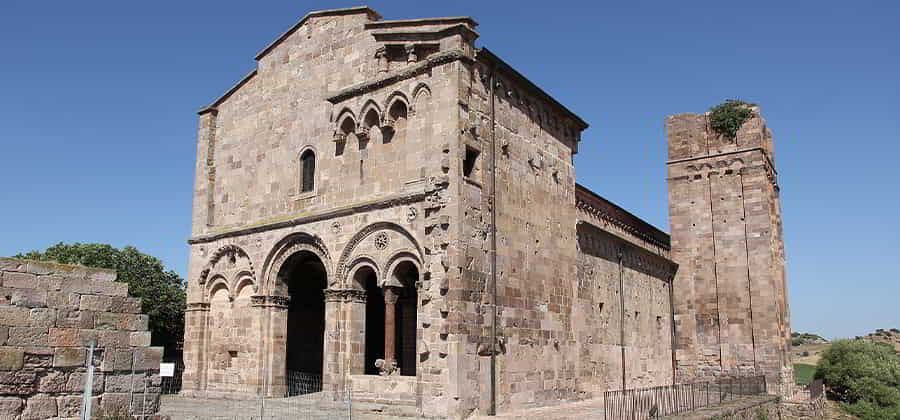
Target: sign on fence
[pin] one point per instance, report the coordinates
(167, 369)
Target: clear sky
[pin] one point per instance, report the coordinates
(98, 123)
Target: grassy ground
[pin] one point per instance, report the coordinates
(803, 373)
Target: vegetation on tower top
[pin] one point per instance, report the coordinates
(728, 117)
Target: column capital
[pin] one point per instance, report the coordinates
(270, 301)
(391, 294)
(197, 307)
(345, 295)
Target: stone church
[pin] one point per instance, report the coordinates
(385, 208)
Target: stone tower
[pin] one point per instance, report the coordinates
(730, 293)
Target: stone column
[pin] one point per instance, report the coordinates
(195, 318)
(274, 310)
(381, 55)
(410, 53)
(389, 365)
(343, 336)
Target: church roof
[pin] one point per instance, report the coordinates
(625, 220)
(510, 71)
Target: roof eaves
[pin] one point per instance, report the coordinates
(641, 225)
(224, 96)
(515, 73)
(426, 21)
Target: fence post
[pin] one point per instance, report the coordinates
(131, 390)
(144, 401)
(88, 391)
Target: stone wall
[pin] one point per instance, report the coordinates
(48, 312)
(731, 307)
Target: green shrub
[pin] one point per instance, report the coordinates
(863, 375)
(728, 117)
(865, 410)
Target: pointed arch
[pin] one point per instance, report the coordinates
(420, 94)
(345, 123)
(393, 99)
(368, 108)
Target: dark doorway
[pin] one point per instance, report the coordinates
(374, 347)
(408, 275)
(306, 279)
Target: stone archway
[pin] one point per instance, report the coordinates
(293, 305)
(406, 275)
(305, 278)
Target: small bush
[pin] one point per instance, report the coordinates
(728, 117)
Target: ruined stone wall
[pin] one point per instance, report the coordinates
(48, 313)
(731, 294)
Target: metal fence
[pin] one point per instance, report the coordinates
(171, 385)
(302, 383)
(306, 399)
(816, 389)
(313, 405)
(656, 402)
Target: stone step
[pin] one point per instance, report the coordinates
(394, 409)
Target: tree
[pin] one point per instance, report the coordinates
(863, 375)
(161, 292)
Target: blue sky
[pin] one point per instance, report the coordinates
(98, 124)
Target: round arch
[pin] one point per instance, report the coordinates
(284, 249)
(388, 277)
(344, 261)
(360, 262)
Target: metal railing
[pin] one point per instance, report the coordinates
(816, 388)
(659, 401)
(171, 385)
(301, 383)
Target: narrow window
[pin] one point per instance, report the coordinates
(307, 171)
(470, 163)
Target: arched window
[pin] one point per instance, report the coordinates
(307, 171)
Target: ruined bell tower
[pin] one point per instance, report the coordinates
(730, 291)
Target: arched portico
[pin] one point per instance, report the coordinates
(292, 304)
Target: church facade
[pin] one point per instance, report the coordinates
(382, 207)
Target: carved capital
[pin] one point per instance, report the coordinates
(270, 301)
(390, 295)
(386, 367)
(410, 53)
(197, 307)
(362, 133)
(345, 295)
